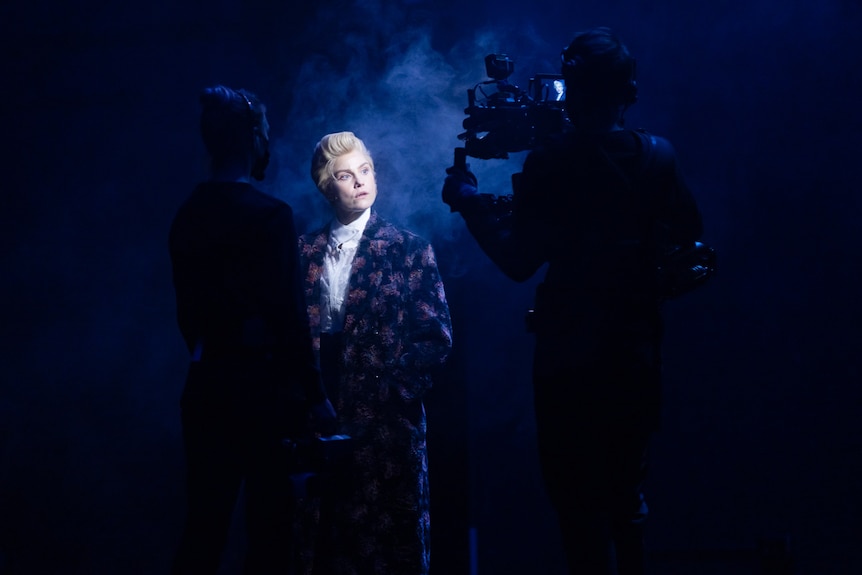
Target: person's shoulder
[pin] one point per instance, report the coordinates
(314, 235)
(265, 200)
(384, 229)
(553, 143)
(265, 207)
(189, 211)
(252, 208)
(661, 145)
(557, 147)
(656, 150)
(235, 193)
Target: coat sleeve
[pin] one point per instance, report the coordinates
(429, 327)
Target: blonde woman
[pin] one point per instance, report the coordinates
(380, 322)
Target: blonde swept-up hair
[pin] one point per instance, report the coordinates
(330, 148)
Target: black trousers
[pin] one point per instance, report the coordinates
(234, 417)
(596, 404)
(594, 477)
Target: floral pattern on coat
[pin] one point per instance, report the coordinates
(397, 329)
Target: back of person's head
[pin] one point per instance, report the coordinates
(599, 70)
(233, 123)
(328, 149)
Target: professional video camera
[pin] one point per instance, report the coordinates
(514, 120)
(319, 464)
(510, 119)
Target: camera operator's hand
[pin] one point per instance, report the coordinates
(323, 417)
(459, 185)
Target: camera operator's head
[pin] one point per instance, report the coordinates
(235, 132)
(343, 170)
(600, 79)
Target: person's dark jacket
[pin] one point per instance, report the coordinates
(236, 275)
(597, 210)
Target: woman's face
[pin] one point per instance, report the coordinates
(353, 188)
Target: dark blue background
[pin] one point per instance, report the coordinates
(99, 116)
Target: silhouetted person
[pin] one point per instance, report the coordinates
(253, 375)
(596, 203)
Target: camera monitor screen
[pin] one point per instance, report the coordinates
(548, 88)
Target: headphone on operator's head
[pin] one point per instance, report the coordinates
(629, 90)
(253, 118)
(575, 68)
(261, 141)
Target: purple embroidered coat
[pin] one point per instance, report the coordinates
(397, 328)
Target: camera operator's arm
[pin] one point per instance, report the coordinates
(490, 220)
(680, 213)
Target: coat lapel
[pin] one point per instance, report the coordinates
(360, 290)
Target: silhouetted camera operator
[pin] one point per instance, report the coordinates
(253, 376)
(598, 203)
